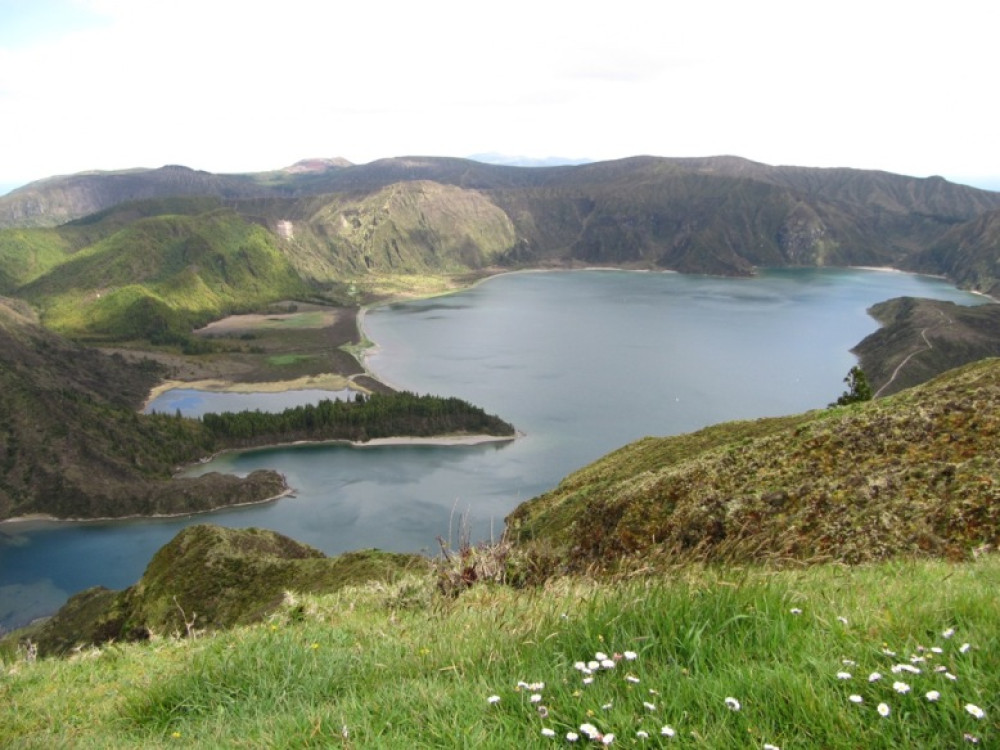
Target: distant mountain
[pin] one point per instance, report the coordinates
(721, 215)
(527, 161)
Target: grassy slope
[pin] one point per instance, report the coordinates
(916, 473)
(394, 665)
(923, 338)
(166, 271)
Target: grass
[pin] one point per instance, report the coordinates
(288, 359)
(402, 666)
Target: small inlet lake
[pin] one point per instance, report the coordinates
(580, 362)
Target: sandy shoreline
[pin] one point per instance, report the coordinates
(326, 382)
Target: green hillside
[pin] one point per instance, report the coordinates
(902, 654)
(917, 473)
(922, 338)
(722, 215)
(73, 445)
(166, 273)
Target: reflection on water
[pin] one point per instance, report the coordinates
(195, 403)
(582, 363)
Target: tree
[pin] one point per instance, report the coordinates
(857, 388)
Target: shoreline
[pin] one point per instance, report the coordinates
(45, 518)
(440, 440)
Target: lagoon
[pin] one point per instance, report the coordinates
(580, 362)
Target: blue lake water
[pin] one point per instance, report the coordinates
(580, 362)
(195, 403)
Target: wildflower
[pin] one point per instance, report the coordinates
(593, 666)
(849, 662)
(843, 675)
(732, 704)
(888, 652)
(536, 698)
(769, 746)
(932, 695)
(970, 738)
(855, 698)
(950, 676)
(642, 734)
(543, 712)
(580, 666)
(918, 659)
(668, 731)
(546, 732)
(315, 645)
(975, 710)
(948, 633)
(536, 686)
(883, 709)
(897, 668)
(632, 678)
(843, 620)
(600, 656)
(795, 611)
(964, 648)
(572, 736)
(608, 664)
(607, 739)
(649, 706)
(874, 677)
(631, 655)
(588, 680)
(493, 699)
(590, 730)
(901, 687)
(607, 706)
(522, 685)
(176, 735)
(938, 650)
(940, 668)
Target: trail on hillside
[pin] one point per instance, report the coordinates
(928, 346)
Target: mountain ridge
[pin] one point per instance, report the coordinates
(721, 215)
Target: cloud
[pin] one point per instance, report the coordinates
(231, 86)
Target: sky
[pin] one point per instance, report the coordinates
(243, 86)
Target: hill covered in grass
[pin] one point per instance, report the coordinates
(915, 474)
(921, 338)
(902, 654)
(163, 275)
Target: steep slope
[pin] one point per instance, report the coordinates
(56, 200)
(211, 578)
(969, 253)
(717, 214)
(917, 473)
(921, 338)
(407, 227)
(72, 444)
(163, 274)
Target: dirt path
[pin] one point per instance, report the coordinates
(928, 346)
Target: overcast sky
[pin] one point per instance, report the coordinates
(235, 86)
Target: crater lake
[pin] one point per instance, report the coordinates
(580, 362)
